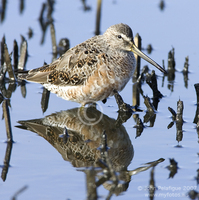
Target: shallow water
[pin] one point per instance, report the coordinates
(46, 171)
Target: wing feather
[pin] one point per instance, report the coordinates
(73, 68)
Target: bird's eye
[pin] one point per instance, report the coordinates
(119, 36)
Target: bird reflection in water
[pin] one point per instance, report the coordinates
(83, 140)
(77, 136)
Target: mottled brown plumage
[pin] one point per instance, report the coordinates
(90, 71)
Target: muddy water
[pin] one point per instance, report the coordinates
(51, 165)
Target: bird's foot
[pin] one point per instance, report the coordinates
(123, 107)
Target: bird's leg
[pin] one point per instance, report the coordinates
(125, 110)
(81, 109)
(124, 107)
(92, 105)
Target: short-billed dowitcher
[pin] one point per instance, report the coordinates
(90, 71)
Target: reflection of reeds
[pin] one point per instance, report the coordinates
(6, 92)
(30, 33)
(152, 187)
(196, 118)
(19, 192)
(178, 118)
(186, 71)
(171, 69)
(45, 99)
(139, 125)
(197, 92)
(90, 184)
(6, 163)
(173, 167)
(105, 154)
(6, 115)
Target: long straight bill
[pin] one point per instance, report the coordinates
(135, 50)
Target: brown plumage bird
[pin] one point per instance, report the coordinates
(90, 71)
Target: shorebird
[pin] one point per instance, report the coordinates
(92, 70)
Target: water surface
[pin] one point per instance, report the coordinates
(47, 173)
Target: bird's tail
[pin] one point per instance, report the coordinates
(22, 75)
